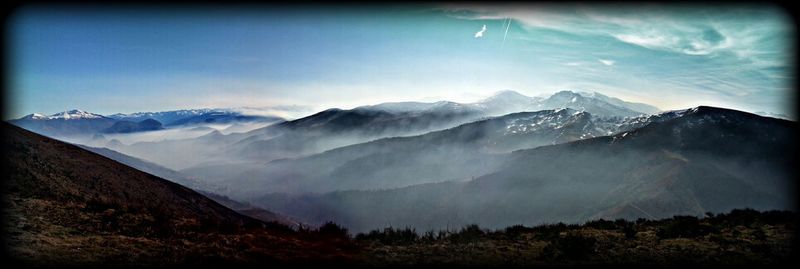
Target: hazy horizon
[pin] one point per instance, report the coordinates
(124, 60)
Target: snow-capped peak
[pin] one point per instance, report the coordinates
(35, 116)
(506, 96)
(564, 93)
(74, 114)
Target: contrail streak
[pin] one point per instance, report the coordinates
(645, 212)
(506, 34)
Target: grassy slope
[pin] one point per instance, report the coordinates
(68, 206)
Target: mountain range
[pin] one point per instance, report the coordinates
(508, 159)
(457, 153)
(125, 126)
(79, 123)
(65, 124)
(333, 128)
(701, 160)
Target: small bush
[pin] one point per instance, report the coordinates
(516, 230)
(684, 227)
(391, 236)
(331, 229)
(550, 231)
(572, 246)
(775, 217)
(630, 231)
(601, 224)
(429, 236)
(470, 233)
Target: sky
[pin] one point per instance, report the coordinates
(123, 59)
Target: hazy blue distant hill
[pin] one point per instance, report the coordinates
(132, 127)
(162, 116)
(334, 128)
(459, 153)
(702, 159)
(68, 123)
(221, 117)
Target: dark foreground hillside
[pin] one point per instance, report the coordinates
(736, 239)
(66, 206)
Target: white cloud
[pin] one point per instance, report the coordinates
(479, 34)
(661, 28)
(286, 111)
(606, 62)
(647, 41)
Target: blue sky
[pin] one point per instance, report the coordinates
(128, 59)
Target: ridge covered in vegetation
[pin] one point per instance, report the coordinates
(741, 237)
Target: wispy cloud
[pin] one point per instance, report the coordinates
(679, 30)
(738, 56)
(606, 62)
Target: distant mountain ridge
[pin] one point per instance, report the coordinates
(221, 117)
(81, 123)
(685, 162)
(125, 126)
(508, 101)
(69, 123)
(333, 128)
(501, 103)
(66, 115)
(639, 107)
(342, 127)
(165, 117)
(461, 152)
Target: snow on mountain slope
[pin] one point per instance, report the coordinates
(66, 115)
(508, 101)
(639, 107)
(65, 124)
(74, 114)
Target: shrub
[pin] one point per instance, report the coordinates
(549, 231)
(470, 233)
(273, 226)
(683, 227)
(516, 230)
(431, 236)
(629, 230)
(601, 224)
(331, 229)
(391, 236)
(774, 217)
(737, 217)
(573, 246)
